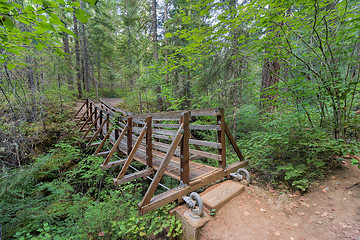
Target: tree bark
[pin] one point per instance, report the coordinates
(77, 54)
(70, 79)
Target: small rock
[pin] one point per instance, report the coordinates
(291, 238)
(350, 192)
(324, 215)
(320, 223)
(301, 213)
(263, 210)
(333, 177)
(272, 217)
(246, 213)
(257, 201)
(344, 198)
(317, 212)
(314, 204)
(331, 217)
(332, 209)
(277, 233)
(296, 224)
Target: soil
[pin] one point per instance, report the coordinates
(330, 210)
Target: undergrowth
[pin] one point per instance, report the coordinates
(65, 195)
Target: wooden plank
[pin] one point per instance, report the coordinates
(129, 135)
(96, 133)
(160, 172)
(149, 146)
(175, 115)
(184, 149)
(221, 194)
(133, 176)
(102, 142)
(113, 164)
(115, 146)
(221, 138)
(93, 145)
(86, 122)
(173, 194)
(101, 154)
(91, 126)
(233, 143)
(157, 131)
(82, 106)
(132, 154)
(192, 141)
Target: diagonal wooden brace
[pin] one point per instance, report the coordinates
(133, 151)
(159, 174)
(115, 146)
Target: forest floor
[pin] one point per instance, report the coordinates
(329, 210)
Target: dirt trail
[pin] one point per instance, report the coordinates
(328, 211)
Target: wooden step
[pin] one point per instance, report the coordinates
(133, 176)
(102, 154)
(217, 196)
(113, 164)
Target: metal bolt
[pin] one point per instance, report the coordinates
(219, 122)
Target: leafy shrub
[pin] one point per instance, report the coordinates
(65, 195)
(283, 152)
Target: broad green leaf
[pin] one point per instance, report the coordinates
(8, 23)
(204, 12)
(55, 19)
(61, 2)
(75, 4)
(168, 35)
(64, 29)
(40, 2)
(81, 15)
(92, 2)
(11, 66)
(39, 46)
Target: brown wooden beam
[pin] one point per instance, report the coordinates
(184, 149)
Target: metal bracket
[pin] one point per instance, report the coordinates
(193, 201)
(240, 174)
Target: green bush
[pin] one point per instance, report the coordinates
(65, 195)
(283, 152)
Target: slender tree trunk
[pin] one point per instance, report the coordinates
(85, 55)
(77, 53)
(69, 76)
(269, 78)
(154, 39)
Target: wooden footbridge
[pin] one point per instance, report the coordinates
(163, 143)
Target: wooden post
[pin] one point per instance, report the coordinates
(107, 122)
(221, 138)
(148, 142)
(95, 116)
(116, 128)
(129, 135)
(87, 108)
(101, 121)
(184, 149)
(91, 111)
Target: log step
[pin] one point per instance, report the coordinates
(112, 164)
(133, 176)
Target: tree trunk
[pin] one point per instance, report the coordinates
(154, 38)
(269, 78)
(77, 54)
(69, 76)
(85, 55)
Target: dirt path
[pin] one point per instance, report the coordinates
(328, 211)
